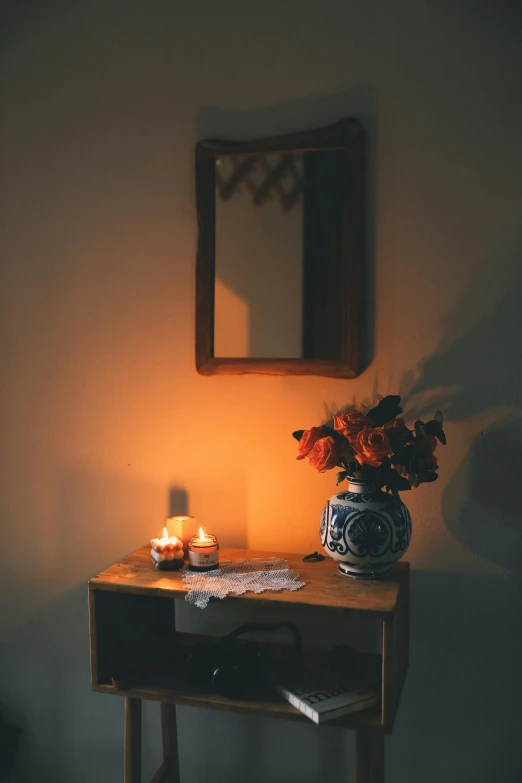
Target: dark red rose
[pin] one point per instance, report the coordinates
(350, 423)
(372, 446)
(307, 441)
(324, 454)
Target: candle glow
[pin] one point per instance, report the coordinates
(166, 539)
(203, 552)
(165, 550)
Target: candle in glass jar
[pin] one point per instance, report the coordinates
(203, 552)
(167, 552)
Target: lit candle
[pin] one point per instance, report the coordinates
(167, 552)
(203, 552)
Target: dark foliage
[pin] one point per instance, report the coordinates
(387, 409)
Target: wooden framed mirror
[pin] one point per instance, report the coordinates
(280, 253)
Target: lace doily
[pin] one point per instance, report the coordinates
(238, 577)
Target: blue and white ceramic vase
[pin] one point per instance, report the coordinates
(365, 529)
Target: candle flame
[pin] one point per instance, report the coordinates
(165, 533)
(202, 533)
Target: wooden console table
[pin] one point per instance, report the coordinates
(132, 630)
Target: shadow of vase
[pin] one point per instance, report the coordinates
(482, 501)
(474, 377)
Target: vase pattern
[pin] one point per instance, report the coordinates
(365, 529)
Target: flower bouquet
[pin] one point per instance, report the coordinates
(376, 446)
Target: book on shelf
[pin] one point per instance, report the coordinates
(322, 698)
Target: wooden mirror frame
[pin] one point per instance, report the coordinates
(343, 287)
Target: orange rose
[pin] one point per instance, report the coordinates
(372, 446)
(324, 454)
(350, 423)
(307, 441)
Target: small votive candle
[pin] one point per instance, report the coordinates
(167, 552)
(203, 552)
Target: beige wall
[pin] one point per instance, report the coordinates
(103, 413)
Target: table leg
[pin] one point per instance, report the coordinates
(369, 752)
(169, 729)
(132, 741)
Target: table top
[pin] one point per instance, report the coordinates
(324, 585)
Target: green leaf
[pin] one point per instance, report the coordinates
(387, 409)
(341, 476)
(397, 483)
(434, 427)
(439, 417)
(402, 484)
(298, 434)
(328, 431)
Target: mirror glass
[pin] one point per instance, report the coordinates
(275, 216)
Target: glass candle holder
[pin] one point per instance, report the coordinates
(203, 552)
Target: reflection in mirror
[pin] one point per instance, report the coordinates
(280, 253)
(275, 217)
(259, 271)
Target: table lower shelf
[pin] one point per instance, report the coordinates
(278, 708)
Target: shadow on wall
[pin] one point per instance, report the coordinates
(459, 718)
(486, 516)
(476, 374)
(50, 650)
(464, 680)
(362, 102)
(178, 502)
